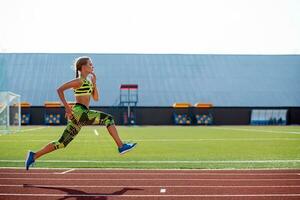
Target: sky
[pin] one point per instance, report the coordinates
(150, 26)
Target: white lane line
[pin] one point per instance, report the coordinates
(96, 132)
(254, 130)
(151, 195)
(155, 173)
(163, 190)
(152, 179)
(158, 161)
(70, 170)
(156, 186)
(64, 172)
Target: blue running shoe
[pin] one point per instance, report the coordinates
(29, 159)
(126, 147)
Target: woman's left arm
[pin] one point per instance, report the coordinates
(95, 92)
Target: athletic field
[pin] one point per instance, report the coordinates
(213, 147)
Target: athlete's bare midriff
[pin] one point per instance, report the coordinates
(85, 100)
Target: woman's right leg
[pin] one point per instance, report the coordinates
(47, 149)
(72, 129)
(68, 135)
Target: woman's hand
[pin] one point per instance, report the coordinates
(93, 78)
(95, 94)
(69, 113)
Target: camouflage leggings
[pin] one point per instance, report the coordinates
(82, 116)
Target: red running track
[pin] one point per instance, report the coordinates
(101, 184)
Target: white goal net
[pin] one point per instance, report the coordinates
(10, 112)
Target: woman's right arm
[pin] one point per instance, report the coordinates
(76, 83)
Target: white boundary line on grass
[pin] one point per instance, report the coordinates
(152, 195)
(213, 127)
(254, 130)
(177, 140)
(33, 129)
(30, 129)
(158, 161)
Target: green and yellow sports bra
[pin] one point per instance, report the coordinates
(86, 88)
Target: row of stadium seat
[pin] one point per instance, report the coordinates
(52, 119)
(258, 117)
(179, 119)
(49, 119)
(25, 119)
(198, 119)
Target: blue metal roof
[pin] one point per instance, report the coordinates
(224, 80)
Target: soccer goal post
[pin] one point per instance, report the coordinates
(10, 112)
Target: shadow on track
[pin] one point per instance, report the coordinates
(71, 193)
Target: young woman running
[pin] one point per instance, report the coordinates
(80, 114)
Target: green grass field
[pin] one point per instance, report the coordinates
(214, 147)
